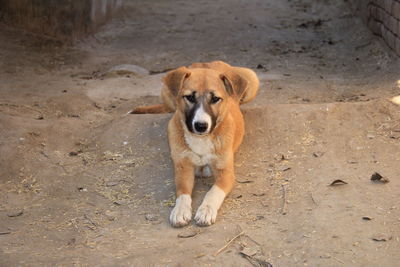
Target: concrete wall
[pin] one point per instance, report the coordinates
(383, 18)
(65, 20)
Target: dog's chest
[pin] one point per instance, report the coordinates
(202, 149)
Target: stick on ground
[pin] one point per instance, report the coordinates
(284, 200)
(227, 244)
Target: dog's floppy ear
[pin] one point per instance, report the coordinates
(174, 79)
(235, 84)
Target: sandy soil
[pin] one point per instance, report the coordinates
(82, 183)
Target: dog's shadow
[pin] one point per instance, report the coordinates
(155, 175)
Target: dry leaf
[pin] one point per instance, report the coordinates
(187, 234)
(337, 182)
(376, 177)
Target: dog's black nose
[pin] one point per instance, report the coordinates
(201, 127)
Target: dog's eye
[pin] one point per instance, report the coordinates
(215, 99)
(190, 98)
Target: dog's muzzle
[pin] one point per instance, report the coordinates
(200, 127)
(201, 121)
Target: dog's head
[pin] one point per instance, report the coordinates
(203, 96)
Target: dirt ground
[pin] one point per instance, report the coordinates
(83, 183)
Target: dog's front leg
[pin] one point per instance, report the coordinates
(208, 210)
(184, 182)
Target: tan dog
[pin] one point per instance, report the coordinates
(205, 131)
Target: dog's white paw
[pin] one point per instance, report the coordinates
(206, 215)
(181, 214)
(208, 210)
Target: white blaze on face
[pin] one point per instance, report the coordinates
(201, 116)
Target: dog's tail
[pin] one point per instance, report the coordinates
(253, 83)
(154, 109)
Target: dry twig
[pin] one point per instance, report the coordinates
(313, 199)
(284, 200)
(227, 244)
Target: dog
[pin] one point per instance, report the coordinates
(205, 131)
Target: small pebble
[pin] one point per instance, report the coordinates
(318, 154)
(111, 216)
(112, 183)
(151, 217)
(187, 234)
(121, 202)
(15, 213)
(126, 69)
